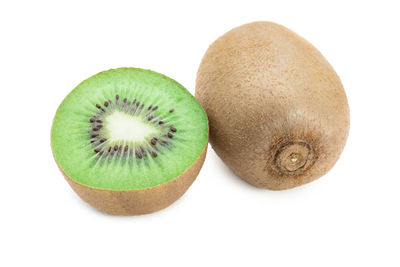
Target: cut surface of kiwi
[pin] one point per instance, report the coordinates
(128, 129)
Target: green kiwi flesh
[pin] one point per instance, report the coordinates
(278, 113)
(127, 130)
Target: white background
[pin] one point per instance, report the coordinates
(349, 217)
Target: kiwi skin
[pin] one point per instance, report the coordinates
(277, 111)
(138, 201)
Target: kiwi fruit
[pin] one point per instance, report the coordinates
(278, 113)
(129, 141)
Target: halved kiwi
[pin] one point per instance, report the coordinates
(129, 141)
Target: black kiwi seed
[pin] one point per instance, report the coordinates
(95, 129)
(98, 106)
(102, 140)
(173, 129)
(170, 135)
(154, 154)
(97, 150)
(150, 107)
(115, 148)
(150, 118)
(99, 121)
(139, 155)
(94, 135)
(155, 108)
(92, 120)
(125, 100)
(160, 122)
(126, 148)
(171, 110)
(106, 104)
(117, 97)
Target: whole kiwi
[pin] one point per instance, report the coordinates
(278, 113)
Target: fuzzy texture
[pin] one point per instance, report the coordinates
(270, 96)
(139, 201)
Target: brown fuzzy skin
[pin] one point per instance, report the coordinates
(140, 201)
(278, 113)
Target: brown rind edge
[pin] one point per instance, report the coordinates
(138, 201)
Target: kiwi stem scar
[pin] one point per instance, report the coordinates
(294, 157)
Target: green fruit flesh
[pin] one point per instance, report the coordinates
(128, 129)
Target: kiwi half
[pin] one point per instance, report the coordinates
(129, 141)
(278, 113)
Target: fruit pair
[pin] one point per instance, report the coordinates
(131, 141)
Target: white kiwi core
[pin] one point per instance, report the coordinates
(124, 127)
